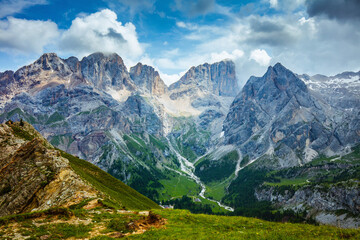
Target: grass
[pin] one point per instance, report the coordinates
(216, 209)
(25, 216)
(177, 186)
(216, 190)
(286, 182)
(218, 169)
(184, 225)
(119, 192)
(55, 117)
(62, 223)
(180, 224)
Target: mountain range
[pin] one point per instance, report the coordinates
(202, 136)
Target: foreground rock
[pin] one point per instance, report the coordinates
(33, 175)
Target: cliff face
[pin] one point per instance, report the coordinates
(336, 204)
(218, 78)
(146, 78)
(33, 175)
(319, 198)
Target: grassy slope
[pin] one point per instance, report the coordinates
(177, 186)
(109, 185)
(184, 225)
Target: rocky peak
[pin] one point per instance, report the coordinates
(284, 79)
(277, 81)
(147, 78)
(106, 71)
(218, 78)
(278, 109)
(47, 62)
(73, 63)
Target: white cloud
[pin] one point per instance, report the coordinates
(181, 24)
(101, 31)
(273, 3)
(234, 55)
(170, 78)
(26, 36)
(173, 52)
(260, 56)
(9, 7)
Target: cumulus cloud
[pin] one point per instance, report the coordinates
(9, 7)
(334, 9)
(234, 55)
(194, 7)
(26, 36)
(101, 31)
(260, 56)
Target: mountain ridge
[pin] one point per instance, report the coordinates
(151, 136)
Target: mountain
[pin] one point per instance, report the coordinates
(35, 176)
(278, 116)
(199, 143)
(341, 90)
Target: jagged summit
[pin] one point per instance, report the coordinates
(148, 79)
(106, 71)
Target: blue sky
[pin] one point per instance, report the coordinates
(307, 36)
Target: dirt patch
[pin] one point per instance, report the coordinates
(93, 204)
(152, 220)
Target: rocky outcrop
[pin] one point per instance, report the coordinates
(218, 78)
(146, 78)
(33, 175)
(324, 198)
(320, 199)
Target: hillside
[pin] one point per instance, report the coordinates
(35, 176)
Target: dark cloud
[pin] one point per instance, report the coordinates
(269, 32)
(265, 26)
(194, 8)
(115, 35)
(334, 9)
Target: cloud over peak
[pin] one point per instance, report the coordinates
(101, 32)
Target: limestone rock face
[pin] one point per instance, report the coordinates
(33, 175)
(105, 71)
(218, 78)
(146, 78)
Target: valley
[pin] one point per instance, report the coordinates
(202, 143)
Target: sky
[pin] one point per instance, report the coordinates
(306, 36)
